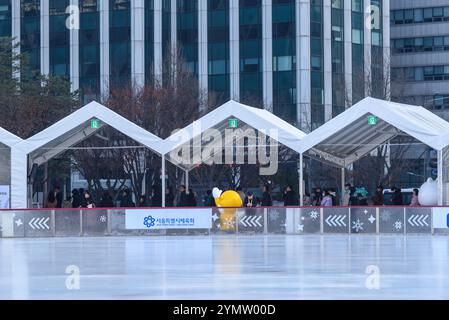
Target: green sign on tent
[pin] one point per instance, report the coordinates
(233, 123)
(95, 123)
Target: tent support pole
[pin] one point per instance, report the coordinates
(187, 179)
(301, 180)
(163, 181)
(343, 178)
(440, 177)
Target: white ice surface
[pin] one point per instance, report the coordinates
(226, 267)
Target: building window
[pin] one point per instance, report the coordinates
(420, 15)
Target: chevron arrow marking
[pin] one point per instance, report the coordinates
(39, 223)
(418, 220)
(336, 221)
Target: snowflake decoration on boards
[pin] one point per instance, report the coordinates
(314, 215)
(357, 226)
(230, 223)
(103, 219)
(19, 222)
(397, 225)
(385, 216)
(274, 216)
(300, 228)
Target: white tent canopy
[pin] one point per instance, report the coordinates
(64, 134)
(342, 141)
(349, 136)
(8, 139)
(259, 119)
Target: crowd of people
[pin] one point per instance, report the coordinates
(187, 197)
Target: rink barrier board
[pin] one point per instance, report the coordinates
(272, 220)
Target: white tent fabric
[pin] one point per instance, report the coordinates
(343, 140)
(349, 136)
(8, 139)
(64, 134)
(259, 119)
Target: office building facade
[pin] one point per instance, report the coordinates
(304, 60)
(420, 53)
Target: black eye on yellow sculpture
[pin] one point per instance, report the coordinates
(228, 201)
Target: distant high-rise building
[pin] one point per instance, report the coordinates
(304, 60)
(420, 53)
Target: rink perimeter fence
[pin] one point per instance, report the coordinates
(208, 221)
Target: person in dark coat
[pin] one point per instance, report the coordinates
(290, 198)
(183, 199)
(76, 201)
(362, 200)
(143, 202)
(88, 200)
(126, 201)
(250, 201)
(83, 201)
(318, 198)
(267, 201)
(169, 197)
(106, 201)
(156, 197)
(191, 198)
(209, 200)
(59, 197)
(397, 197)
(378, 198)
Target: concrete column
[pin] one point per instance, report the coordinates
(104, 48)
(234, 55)
(327, 37)
(157, 40)
(45, 37)
(348, 51)
(203, 62)
(267, 53)
(303, 64)
(74, 53)
(174, 25)
(386, 46)
(367, 47)
(138, 43)
(15, 28)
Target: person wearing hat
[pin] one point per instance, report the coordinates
(378, 199)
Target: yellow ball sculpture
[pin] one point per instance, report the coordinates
(229, 201)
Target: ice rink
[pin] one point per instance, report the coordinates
(226, 267)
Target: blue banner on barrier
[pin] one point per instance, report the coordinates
(158, 219)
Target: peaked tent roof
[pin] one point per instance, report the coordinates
(259, 119)
(349, 136)
(8, 139)
(75, 127)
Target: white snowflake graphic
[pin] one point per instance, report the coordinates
(103, 219)
(385, 216)
(357, 226)
(19, 222)
(398, 225)
(230, 223)
(300, 228)
(273, 216)
(314, 215)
